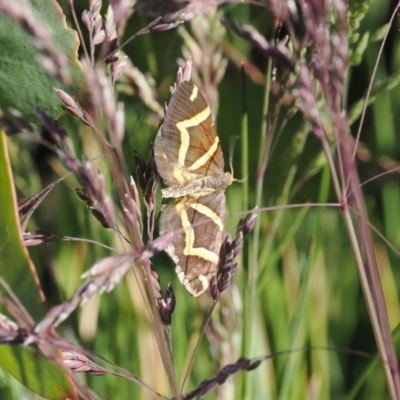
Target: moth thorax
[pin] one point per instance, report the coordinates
(198, 187)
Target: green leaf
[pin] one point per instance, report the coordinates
(23, 81)
(379, 33)
(379, 87)
(33, 370)
(15, 266)
(36, 372)
(357, 54)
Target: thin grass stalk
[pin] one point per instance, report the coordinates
(160, 334)
(244, 145)
(376, 326)
(390, 363)
(245, 201)
(297, 334)
(371, 282)
(250, 292)
(151, 59)
(370, 304)
(77, 27)
(323, 194)
(356, 389)
(382, 328)
(283, 199)
(283, 243)
(369, 90)
(91, 46)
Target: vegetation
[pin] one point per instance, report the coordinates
(305, 97)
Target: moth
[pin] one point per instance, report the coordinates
(189, 160)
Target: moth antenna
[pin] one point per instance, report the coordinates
(232, 144)
(231, 151)
(241, 180)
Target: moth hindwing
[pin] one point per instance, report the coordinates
(189, 159)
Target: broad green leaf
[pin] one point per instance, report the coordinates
(15, 266)
(32, 370)
(23, 81)
(36, 372)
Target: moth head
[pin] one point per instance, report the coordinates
(230, 175)
(229, 178)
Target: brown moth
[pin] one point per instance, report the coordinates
(189, 159)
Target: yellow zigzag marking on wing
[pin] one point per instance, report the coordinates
(203, 159)
(194, 93)
(188, 123)
(189, 250)
(201, 208)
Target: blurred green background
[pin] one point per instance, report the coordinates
(308, 292)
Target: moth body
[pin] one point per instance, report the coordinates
(189, 160)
